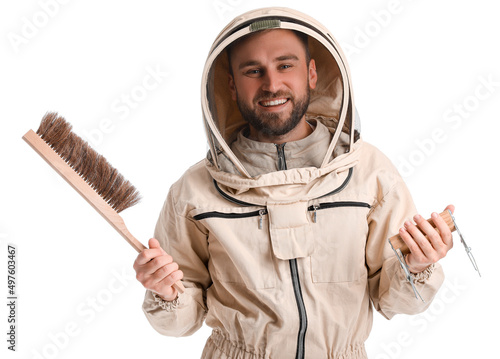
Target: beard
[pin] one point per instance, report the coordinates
(274, 123)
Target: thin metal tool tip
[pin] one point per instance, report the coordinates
(467, 248)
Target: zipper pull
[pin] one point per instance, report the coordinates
(315, 215)
(262, 212)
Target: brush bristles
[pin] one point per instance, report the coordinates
(119, 193)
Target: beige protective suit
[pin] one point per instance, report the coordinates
(284, 248)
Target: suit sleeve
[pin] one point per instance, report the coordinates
(186, 241)
(390, 291)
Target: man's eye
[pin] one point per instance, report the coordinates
(286, 66)
(253, 72)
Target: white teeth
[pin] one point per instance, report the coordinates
(274, 103)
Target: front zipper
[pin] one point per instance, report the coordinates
(301, 337)
(281, 156)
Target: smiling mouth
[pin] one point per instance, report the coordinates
(275, 102)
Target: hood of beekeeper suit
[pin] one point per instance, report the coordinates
(331, 103)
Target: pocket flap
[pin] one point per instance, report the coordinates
(289, 228)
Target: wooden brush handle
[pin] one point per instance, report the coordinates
(87, 192)
(398, 243)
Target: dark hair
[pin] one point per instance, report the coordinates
(304, 39)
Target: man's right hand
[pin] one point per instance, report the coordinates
(157, 271)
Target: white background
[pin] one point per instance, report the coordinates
(414, 65)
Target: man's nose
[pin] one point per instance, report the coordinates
(271, 81)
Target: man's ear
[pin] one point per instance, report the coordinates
(232, 87)
(313, 75)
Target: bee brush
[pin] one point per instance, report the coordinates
(89, 173)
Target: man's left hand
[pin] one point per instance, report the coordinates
(425, 252)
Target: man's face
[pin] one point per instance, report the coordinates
(271, 81)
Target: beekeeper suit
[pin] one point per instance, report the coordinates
(284, 248)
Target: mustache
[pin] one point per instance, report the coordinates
(266, 95)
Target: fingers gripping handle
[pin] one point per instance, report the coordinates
(401, 249)
(398, 243)
(177, 285)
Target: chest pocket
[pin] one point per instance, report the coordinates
(340, 240)
(240, 248)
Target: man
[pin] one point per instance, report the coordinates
(280, 236)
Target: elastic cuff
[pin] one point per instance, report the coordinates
(169, 306)
(425, 274)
